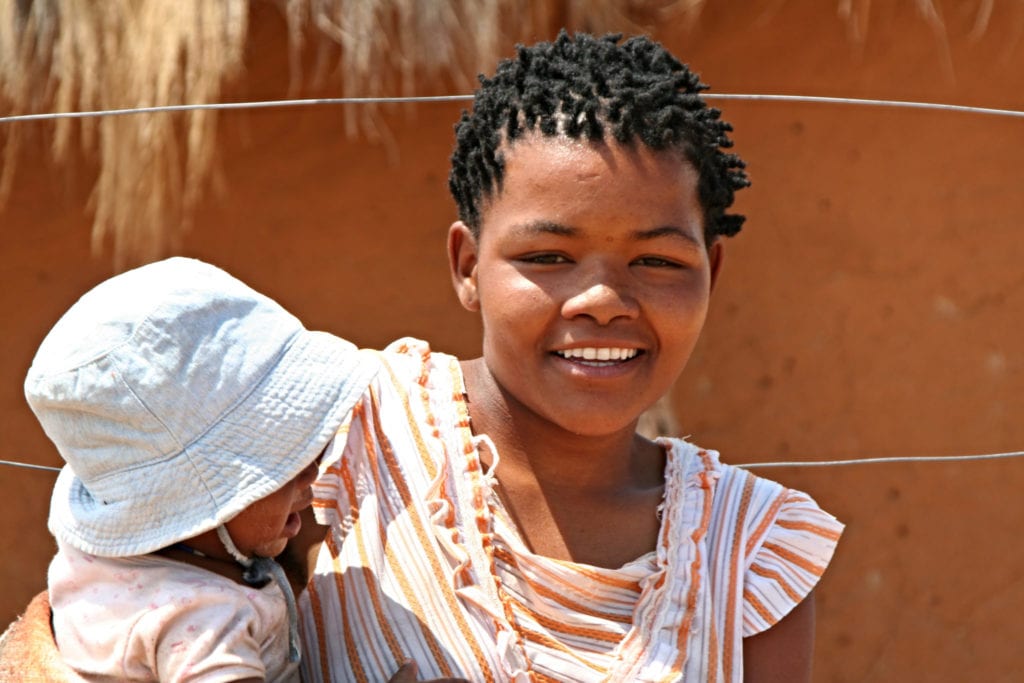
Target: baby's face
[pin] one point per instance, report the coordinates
(264, 527)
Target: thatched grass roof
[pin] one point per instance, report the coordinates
(69, 55)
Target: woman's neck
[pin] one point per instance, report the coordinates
(552, 455)
(580, 498)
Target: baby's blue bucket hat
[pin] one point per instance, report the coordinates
(178, 396)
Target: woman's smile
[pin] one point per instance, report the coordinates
(599, 355)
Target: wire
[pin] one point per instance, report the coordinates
(259, 104)
(871, 461)
(264, 104)
(787, 463)
(14, 463)
(871, 103)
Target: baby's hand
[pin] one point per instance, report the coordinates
(407, 674)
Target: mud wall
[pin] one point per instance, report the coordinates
(872, 307)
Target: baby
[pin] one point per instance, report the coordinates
(191, 411)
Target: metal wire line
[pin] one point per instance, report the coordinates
(26, 465)
(751, 465)
(872, 461)
(258, 104)
(265, 104)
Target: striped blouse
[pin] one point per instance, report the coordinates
(422, 562)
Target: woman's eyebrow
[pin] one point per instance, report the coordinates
(542, 227)
(666, 231)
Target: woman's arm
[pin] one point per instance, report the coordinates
(783, 653)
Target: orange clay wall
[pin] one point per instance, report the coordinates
(873, 305)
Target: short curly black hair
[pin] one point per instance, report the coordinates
(579, 86)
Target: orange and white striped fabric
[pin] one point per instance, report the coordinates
(422, 563)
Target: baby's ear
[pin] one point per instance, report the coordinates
(462, 261)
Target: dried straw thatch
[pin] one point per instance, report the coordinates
(69, 55)
(73, 55)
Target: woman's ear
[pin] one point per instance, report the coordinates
(716, 253)
(462, 260)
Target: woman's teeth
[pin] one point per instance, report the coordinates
(603, 353)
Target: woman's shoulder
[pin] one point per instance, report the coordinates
(409, 356)
(689, 461)
(696, 461)
(410, 366)
(757, 503)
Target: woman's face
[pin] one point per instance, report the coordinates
(592, 278)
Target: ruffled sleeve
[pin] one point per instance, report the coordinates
(347, 464)
(329, 488)
(788, 561)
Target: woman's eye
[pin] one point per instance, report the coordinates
(657, 262)
(545, 259)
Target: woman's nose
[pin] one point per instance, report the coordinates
(601, 295)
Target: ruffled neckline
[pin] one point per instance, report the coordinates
(669, 576)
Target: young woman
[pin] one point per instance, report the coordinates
(500, 518)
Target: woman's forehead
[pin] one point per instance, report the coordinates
(572, 183)
(539, 165)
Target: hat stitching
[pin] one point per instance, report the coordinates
(130, 337)
(150, 463)
(245, 397)
(219, 505)
(182, 447)
(183, 450)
